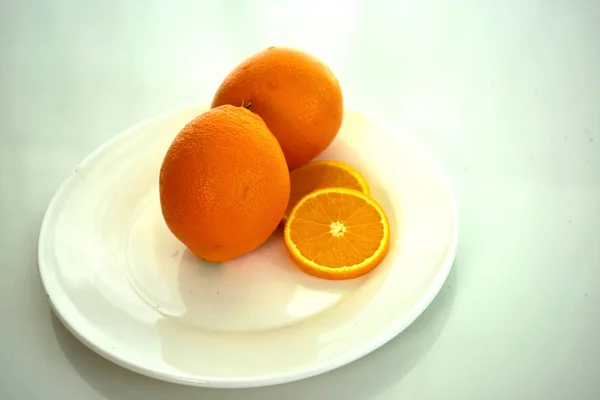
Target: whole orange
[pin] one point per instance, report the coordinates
(224, 184)
(295, 93)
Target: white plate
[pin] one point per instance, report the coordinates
(125, 287)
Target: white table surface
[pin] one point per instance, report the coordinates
(506, 94)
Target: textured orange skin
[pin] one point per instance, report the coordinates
(224, 184)
(297, 96)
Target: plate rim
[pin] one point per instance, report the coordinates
(395, 328)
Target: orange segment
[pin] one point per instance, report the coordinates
(323, 174)
(337, 233)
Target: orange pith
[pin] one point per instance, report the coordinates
(337, 233)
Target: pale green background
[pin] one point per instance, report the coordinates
(505, 94)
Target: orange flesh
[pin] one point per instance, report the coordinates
(321, 175)
(337, 230)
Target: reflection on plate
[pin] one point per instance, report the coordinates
(123, 285)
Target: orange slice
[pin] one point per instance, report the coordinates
(323, 174)
(337, 233)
